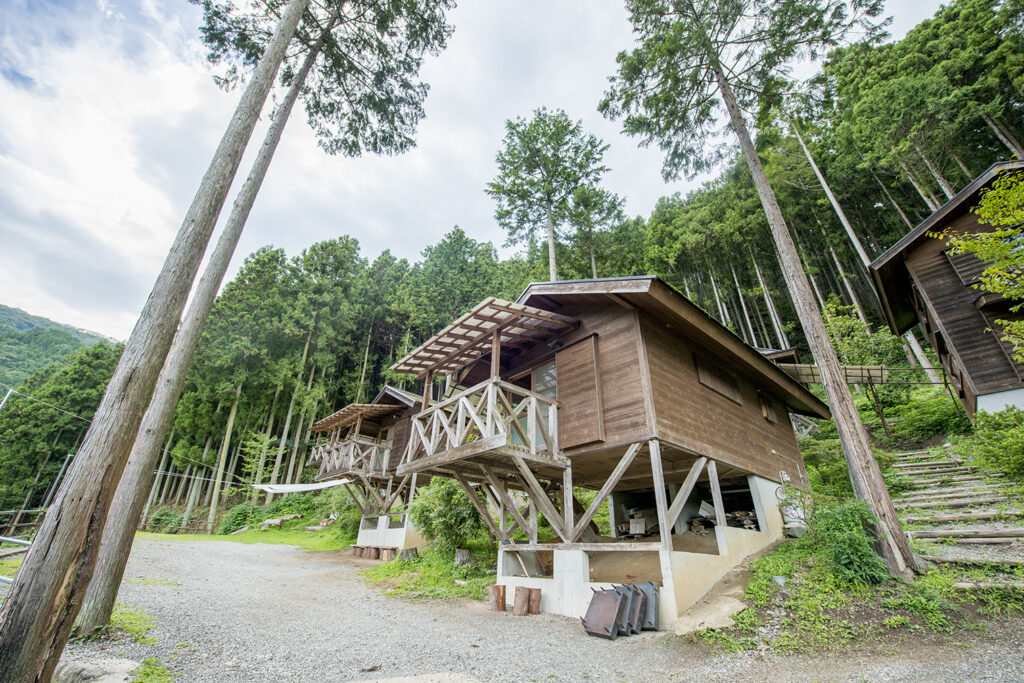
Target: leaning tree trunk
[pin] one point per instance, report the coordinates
(864, 473)
(743, 306)
(899, 210)
(276, 472)
(119, 531)
(773, 316)
(40, 611)
(929, 201)
(1005, 137)
(153, 488)
(258, 479)
(193, 496)
(947, 189)
(551, 247)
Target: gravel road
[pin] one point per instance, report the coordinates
(234, 612)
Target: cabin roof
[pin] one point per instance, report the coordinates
(411, 400)
(892, 279)
(653, 294)
(469, 337)
(352, 412)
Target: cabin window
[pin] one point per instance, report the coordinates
(718, 380)
(768, 411)
(544, 380)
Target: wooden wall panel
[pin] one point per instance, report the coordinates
(580, 416)
(702, 420)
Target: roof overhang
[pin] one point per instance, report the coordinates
(892, 280)
(470, 337)
(653, 294)
(352, 412)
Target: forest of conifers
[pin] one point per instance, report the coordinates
(895, 128)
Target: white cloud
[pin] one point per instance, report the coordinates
(108, 117)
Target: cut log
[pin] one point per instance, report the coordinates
(372, 553)
(920, 493)
(985, 585)
(497, 597)
(408, 554)
(521, 605)
(387, 554)
(463, 557)
(975, 561)
(940, 470)
(534, 601)
(925, 463)
(967, 533)
(948, 496)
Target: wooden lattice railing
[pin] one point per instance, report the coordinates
(359, 456)
(527, 419)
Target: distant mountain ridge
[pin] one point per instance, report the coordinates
(29, 343)
(22, 321)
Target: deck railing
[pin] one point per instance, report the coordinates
(527, 419)
(357, 455)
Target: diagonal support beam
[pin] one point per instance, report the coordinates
(475, 500)
(613, 479)
(358, 501)
(502, 494)
(660, 500)
(716, 494)
(373, 492)
(684, 492)
(547, 508)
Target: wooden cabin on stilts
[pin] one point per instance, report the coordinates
(623, 387)
(362, 444)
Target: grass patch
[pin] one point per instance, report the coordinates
(133, 623)
(9, 566)
(152, 671)
(432, 575)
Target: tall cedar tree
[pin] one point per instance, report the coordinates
(372, 51)
(543, 163)
(38, 615)
(695, 57)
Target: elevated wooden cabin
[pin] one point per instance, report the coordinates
(919, 281)
(625, 387)
(362, 444)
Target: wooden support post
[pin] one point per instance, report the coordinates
(427, 381)
(567, 506)
(716, 494)
(503, 498)
(532, 529)
(496, 354)
(497, 595)
(658, 474)
(521, 605)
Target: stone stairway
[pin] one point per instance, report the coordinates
(961, 512)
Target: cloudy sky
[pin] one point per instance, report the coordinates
(108, 117)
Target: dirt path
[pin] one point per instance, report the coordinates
(234, 612)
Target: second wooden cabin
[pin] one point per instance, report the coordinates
(624, 387)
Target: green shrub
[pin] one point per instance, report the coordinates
(346, 512)
(843, 534)
(165, 519)
(242, 515)
(305, 504)
(444, 515)
(998, 442)
(929, 412)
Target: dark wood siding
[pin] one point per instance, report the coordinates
(399, 440)
(971, 352)
(580, 416)
(702, 420)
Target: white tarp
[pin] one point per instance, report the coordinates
(299, 488)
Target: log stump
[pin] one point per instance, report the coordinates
(408, 554)
(357, 550)
(534, 605)
(521, 605)
(463, 557)
(372, 553)
(497, 594)
(387, 554)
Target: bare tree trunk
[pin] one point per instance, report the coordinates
(760, 324)
(963, 167)
(849, 290)
(928, 200)
(197, 488)
(154, 487)
(551, 247)
(906, 221)
(743, 306)
(864, 473)
(40, 611)
(288, 419)
(366, 358)
(593, 260)
(258, 479)
(182, 484)
(947, 189)
(772, 315)
(1005, 137)
(723, 315)
(814, 283)
(911, 339)
(224, 448)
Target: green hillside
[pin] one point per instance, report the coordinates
(29, 343)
